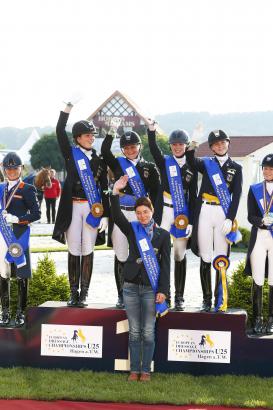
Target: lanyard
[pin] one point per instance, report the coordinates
(8, 201)
(267, 204)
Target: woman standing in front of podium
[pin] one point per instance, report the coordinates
(145, 288)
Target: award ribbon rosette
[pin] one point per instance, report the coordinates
(16, 246)
(264, 201)
(89, 185)
(180, 206)
(150, 261)
(134, 180)
(221, 264)
(220, 187)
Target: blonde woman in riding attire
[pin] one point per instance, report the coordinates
(73, 218)
(178, 140)
(211, 225)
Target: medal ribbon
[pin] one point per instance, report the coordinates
(134, 180)
(180, 206)
(9, 236)
(220, 187)
(150, 261)
(260, 194)
(267, 204)
(88, 182)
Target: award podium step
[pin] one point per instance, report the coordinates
(96, 338)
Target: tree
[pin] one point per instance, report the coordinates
(46, 153)
(162, 142)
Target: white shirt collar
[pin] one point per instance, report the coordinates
(181, 161)
(222, 159)
(11, 184)
(269, 187)
(134, 161)
(88, 153)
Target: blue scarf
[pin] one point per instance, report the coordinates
(149, 228)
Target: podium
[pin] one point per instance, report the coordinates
(96, 338)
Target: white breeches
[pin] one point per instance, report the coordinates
(4, 266)
(263, 247)
(119, 240)
(211, 240)
(80, 236)
(180, 244)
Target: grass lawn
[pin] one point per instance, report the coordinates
(29, 383)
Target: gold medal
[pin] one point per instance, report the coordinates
(97, 210)
(181, 222)
(15, 250)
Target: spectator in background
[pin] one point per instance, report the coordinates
(51, 195)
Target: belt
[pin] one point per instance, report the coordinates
(210, 202)
(75, 199)
(127, 208)
(169, 205)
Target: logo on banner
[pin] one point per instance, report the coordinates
(71, 341)
(199, 346)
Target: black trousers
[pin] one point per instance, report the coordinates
(50, 209)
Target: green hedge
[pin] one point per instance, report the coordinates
(45, 285)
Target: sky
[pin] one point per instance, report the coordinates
(166, 55)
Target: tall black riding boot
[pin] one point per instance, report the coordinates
(205, 276)
(5, 301)
(257, 303)
(269, 325)
(74, 271)
(179, 282)
(119, 277)
(86, 273)
(21, 302)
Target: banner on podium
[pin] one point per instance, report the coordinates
(71, 341)
(199, 346)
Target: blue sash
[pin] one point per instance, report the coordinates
(89, 185)
(149, 259)
(220, 187)
(180, 205)
(16, 247)
(258, 192)
(127, 200)
(135, 180)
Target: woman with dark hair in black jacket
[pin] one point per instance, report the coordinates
(142, 296)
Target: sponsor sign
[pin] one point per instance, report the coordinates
(199, 346)
(71, 341)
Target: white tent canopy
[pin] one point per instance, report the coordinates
(23, 152)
